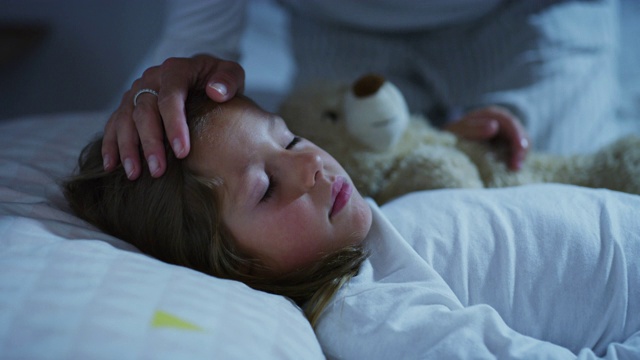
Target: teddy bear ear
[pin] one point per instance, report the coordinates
(375, 112)
(367, 85)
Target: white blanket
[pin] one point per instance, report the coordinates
(544, 271)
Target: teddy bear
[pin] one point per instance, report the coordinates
(388, 152)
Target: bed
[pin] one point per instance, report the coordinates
(69, 291)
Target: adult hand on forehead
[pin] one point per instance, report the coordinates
(150, 118)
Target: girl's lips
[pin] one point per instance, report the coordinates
(340, 194)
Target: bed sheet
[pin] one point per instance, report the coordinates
(68, 291)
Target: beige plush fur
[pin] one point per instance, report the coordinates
(427, 158)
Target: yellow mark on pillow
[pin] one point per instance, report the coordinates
(163, 319)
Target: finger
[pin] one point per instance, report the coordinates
(109, 150)
(127, 143)
(171, 100)
(149, 127)
(136, 112)
(120, 140)
(512, 131)
(120, 117)
(519, 147)
(474, 128)
(226, 81)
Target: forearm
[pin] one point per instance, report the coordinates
(196, 26)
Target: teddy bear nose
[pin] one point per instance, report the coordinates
(367, 85)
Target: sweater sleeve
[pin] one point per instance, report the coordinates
(196, 26)
(379, 328)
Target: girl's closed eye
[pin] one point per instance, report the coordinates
(272, 181)
(270, 188)
(296, 140)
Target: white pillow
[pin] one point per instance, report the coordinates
(68, 291)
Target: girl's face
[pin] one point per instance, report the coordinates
(285, 200)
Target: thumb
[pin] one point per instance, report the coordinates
(226, 81)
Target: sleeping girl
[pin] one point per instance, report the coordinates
(255, 203)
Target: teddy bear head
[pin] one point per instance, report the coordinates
(371, 113)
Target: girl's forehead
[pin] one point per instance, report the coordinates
(231, 137)
(239, 109)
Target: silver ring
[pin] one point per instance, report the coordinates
(142, 91)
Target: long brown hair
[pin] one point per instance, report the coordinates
(176, 218)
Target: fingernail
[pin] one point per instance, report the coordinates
(219, 87)
(154, 166)
(177, 147)
(106, 161)
(128, 167)
(490, 124)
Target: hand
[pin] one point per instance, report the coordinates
(495, 123)
(146, 123)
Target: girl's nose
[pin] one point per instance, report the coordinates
(305, 169)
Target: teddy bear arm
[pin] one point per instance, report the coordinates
(617, 166)
(537, 168)
(367, 170)
(614, 167)
(428, 168)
